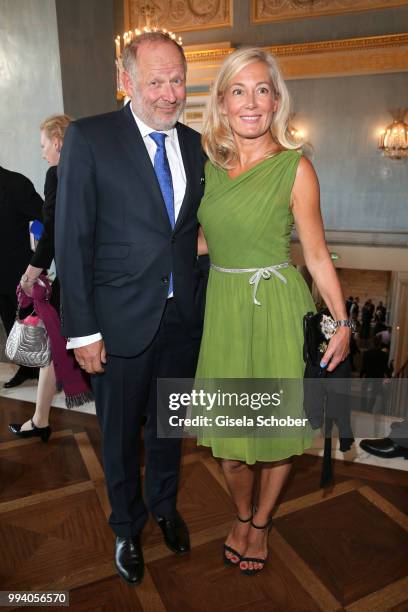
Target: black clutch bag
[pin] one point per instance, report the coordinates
(318, 328)
(325, 402)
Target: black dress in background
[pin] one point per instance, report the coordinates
(44, 253)
(19, 204)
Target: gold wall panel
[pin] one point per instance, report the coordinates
(183, 15)
(368, 55)
(280, 10)
(346, 57)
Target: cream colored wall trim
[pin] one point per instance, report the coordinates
(389, 41)
(350, 56)
(208, 55)
(264, 11)
(369, 55)
(361, 257)
(184, 15)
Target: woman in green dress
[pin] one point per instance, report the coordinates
(258, 185)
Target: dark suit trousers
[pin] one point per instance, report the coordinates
(124, 394)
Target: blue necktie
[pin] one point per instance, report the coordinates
(162, 169)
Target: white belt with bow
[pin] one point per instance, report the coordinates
(259, 273)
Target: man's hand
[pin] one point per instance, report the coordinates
(91, 357)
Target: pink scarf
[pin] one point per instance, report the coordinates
(69, 375)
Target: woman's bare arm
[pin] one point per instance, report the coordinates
(309, 226)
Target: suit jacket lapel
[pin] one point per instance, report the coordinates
(188, 168)
(132, 142)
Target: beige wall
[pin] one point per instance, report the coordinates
(366, 284)
(30, 83)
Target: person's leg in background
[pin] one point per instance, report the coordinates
(38, 425)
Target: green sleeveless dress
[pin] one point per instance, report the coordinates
(247, 224)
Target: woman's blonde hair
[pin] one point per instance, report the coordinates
(56, 125)
(217, 138)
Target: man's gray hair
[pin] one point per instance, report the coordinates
(129, 54)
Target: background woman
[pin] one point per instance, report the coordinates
(51, 139)
(257, 185)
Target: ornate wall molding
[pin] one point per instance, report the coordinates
(183, 15)
(263, 11)
(351, 56)
(207, 55)
(345, 44)
(369, 55)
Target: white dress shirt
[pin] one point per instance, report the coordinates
(178, 176)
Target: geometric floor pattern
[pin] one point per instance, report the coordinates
(345, 548)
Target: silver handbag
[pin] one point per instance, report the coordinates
(28, 343)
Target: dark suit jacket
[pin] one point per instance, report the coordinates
(19, 204)
(44, 253)
(115, 248)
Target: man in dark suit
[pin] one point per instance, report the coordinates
(19, 204)
(130, 183)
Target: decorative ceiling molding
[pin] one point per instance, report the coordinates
(350, 56)
(369, 55)
(207, 55)
(345, 44)
(326, 46)
(183, 15)
(263, 11)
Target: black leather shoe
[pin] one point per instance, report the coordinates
(385, 448)
(42, 432)
(175, 534)
(21, 376)
(129, 559)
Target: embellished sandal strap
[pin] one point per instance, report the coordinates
(247, 520)
(268, 525)
(232, 551)
(253, 560)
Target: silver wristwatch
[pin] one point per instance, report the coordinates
(346, 323)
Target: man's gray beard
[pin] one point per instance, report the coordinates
(162, 126)
(151, 121)
(168, 125)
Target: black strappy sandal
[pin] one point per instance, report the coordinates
(227, 548)
(252, 571)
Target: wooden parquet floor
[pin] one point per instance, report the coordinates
(342, 549)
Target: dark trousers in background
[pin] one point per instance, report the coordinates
(124, 394)
(8, 307)
(399, 432)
